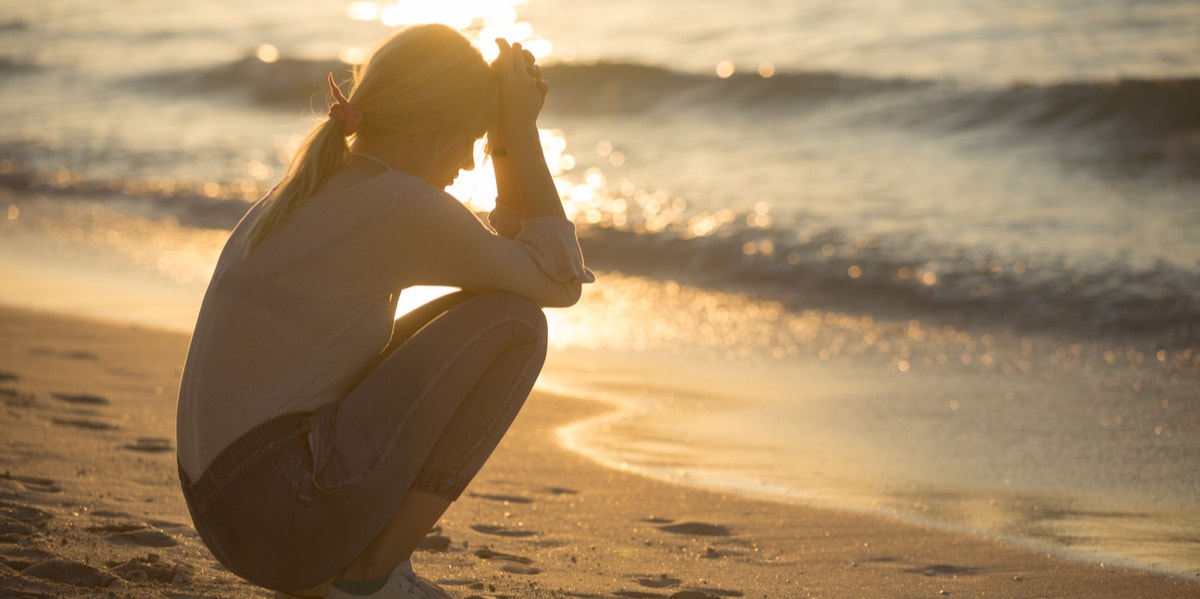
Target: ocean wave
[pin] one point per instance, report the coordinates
(1142, 103)
(1165, 110)
(828, 269)
(1159, 305)
(1126, 123)
(577, 87)
(1158, 104)
(284, 81)
(201, 205)
(609, 87)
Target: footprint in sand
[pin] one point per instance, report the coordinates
(15, 399)
(24, 513)
(76, 354)
(19, 558)
(502, 498)
(943, 570)
(74, 573)
(13, 531)
(125, 372)
(515, 569)
(663, 581)
(81, 398)
(488, 554)
(697, 529)
(116, 528)
(151, 445)
(166, 524)
(434, 543)
(141, 569)
(143, 538)
(136, 535)
(83, 423)
(109, 514)
(33, 483)
(657, 582)
(679, 595)
(501, 531)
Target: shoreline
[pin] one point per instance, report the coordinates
(574, 437)
(90, 501)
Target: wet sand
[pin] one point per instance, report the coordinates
(90, 506)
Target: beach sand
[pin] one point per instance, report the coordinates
(90, 506)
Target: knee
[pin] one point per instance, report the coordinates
(532, 314)
(520, 311)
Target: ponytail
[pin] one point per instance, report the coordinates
(423, 79)
(321, 154)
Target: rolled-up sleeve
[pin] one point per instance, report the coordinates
(506, 220)
(553, 244)
(440, 242)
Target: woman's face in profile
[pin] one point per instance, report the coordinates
(458, 156)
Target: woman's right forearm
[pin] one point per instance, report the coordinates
(530, 176)
(507, 191)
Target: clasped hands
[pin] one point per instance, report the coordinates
(522, 93)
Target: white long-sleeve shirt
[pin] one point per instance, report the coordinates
(293, 325)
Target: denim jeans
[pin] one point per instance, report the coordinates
(292, 502)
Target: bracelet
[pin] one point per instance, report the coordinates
(498, 153)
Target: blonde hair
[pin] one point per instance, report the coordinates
(423, 79)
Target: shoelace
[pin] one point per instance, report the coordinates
(411, 586)
(419, 584)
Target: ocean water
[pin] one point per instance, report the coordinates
(925, 259)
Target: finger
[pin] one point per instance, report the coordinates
(504, 49)
(518, 56)
(529, 57)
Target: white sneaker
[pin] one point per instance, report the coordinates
(431, 590)
(402, 583)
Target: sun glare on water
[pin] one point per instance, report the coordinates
(484, 20)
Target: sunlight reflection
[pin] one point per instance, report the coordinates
(477, 187)
(485, 20)
(103, 235)
(352, 55)
(363, 11)
(267, 53)
(613, 316)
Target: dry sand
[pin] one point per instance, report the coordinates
(90, 506)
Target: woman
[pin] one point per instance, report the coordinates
(319, 441)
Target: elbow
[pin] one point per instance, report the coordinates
(567, 295)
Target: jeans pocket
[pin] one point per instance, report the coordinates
(320, 436)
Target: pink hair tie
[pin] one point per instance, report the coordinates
(342, 110)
